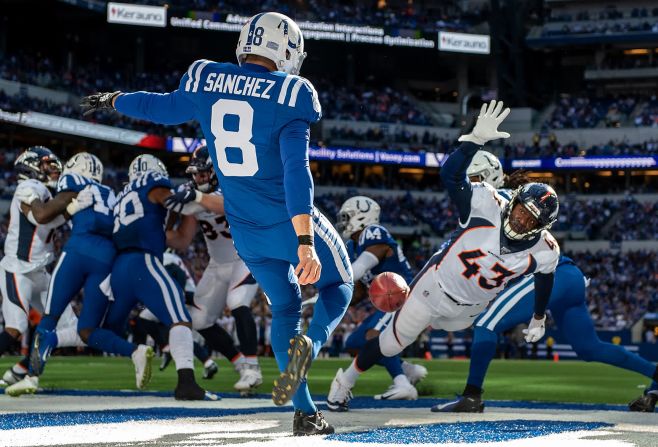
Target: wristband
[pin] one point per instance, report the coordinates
(305, 239)
(199, 197)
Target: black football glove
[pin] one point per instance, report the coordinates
(178, 200)
(98, 101)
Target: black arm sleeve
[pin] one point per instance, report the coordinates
(543, 289)
(453, 174)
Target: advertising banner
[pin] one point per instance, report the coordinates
(464, 43)
(129, 14)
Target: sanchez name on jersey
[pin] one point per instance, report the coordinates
(245, 110)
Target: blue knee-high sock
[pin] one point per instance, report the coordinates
(483, 351)
(332, 303)
(48, 323)
(393, 365)
(285, 325)
(108, 341)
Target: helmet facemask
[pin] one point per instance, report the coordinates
(542, 209)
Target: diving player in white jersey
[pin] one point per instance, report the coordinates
(498, 241)
(226, 280)
(29, 250)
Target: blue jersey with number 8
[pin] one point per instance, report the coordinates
(243, 111)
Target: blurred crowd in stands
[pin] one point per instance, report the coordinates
(410, 15)
(604, 21)
(577, 112)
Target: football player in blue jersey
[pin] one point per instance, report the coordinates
(514, 305)
(256, 118)
(138, 274)
(375, 251)
(85, 262)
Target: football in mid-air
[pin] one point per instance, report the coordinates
(388, 291)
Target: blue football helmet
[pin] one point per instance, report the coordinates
(540, 200)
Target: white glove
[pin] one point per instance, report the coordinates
(486, 127)
(26, 195)
(536, 329)
(85, 198)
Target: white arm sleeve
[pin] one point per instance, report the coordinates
(363, 263)
(192, 208)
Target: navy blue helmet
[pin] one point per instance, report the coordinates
(40, 163)
(538, 199)
(201, 162)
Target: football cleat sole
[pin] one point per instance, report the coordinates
(299, 362)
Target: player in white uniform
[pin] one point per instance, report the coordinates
(29, 250)
(226, 280)
(497, 242)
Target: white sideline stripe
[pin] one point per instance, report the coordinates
(163, 288)
(511, 303)
(197, 76)
(498, 301)
(52, 281)
(284, 89)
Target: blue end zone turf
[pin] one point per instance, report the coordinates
(26, 420)
(465, 432)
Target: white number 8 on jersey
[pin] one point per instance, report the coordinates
(235, 139)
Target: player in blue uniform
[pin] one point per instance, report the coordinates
(514, 305)
(138, 274)
(85, 262)
(256, 117)
(375, 252)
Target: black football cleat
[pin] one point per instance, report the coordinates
(210, 371)
(645, 403)
(463, 404)
(310, 424)
(189, 391)
(166, 360)
(300, 351)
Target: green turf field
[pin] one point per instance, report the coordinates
(565, 381)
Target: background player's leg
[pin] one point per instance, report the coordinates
(577, 326)
(163, 296)
(241, 292)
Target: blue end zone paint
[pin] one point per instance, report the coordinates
(13, 421)
(465, 432)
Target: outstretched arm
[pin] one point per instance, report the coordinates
(453, 171)
(161, 108)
